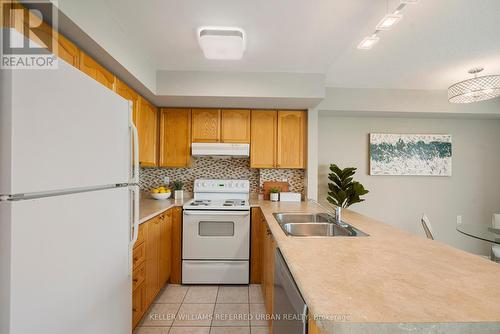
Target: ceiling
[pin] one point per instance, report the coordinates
(432, 47)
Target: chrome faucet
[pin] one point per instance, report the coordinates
(338, 214)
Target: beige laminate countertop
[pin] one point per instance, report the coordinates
(148, 207)
(389, 282)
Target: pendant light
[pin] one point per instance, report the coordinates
(475, 89)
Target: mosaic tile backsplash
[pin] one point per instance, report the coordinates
(217, 168)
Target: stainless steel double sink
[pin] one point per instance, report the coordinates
(322, 224)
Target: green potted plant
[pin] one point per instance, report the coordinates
(343, 190)
(274, 194)
(178, 192)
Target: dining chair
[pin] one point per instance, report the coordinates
(426, 224)
(495, 249)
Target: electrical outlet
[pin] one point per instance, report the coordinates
(166, 180)
(459, 220)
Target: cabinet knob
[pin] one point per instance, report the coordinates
(135, 280)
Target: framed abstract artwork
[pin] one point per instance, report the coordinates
(410, 154)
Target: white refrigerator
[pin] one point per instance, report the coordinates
(68, 204)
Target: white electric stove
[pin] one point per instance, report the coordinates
(216, 233)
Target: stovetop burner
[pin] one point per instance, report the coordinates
(220, 195)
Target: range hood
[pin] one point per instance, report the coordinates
(220, 149)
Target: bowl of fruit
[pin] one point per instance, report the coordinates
(160, 193)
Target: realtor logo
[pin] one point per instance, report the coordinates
(28, 41)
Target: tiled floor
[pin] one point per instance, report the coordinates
(206, 309)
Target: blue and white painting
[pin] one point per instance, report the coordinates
(410, 154)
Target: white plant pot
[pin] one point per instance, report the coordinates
(179, 194)
(274, 197)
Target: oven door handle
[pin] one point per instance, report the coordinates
(217, 213)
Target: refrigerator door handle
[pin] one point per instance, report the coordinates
(134, 190)
(135, 148)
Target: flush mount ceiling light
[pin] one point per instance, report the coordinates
(475, 89)
(368, 42)
(389, 21)
(222, 42)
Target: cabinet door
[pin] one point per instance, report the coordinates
(43, 34)
(129, 94)
(206, 125)
(152, 259)
(176, 260)
(175, 137)
(147, 127)
(256, 247)
(165, 246)
(68, 51)
(264, 125)
(235, 126)
(96, 71)
(291, 139)
(139, 304)
(269, 249)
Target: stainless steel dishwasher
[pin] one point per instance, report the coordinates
(289, 308)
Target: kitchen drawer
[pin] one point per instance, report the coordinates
(140, 236)
(139, 255)
(138, 304)
(138, 276)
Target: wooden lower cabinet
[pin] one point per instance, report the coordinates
(139, 305)
(152, 262)
(165, 248)
(262, 252)
(176, 268)
(267, 274)
(313, 327)
(256, 248)
(152, 258)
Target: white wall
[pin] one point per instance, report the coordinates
(245, 89)
(403, 102)
(473, 190)
(96, 18)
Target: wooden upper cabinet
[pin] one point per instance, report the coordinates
(129, 94)
(264, 126)
(291, 139)
(147, 127)
(68, 51)
(206, 125)
(235, 126)
(175, 137)
(96, 71)
(43, 34)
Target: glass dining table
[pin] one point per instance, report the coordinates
(482, 232)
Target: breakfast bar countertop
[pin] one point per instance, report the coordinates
(388, 282)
